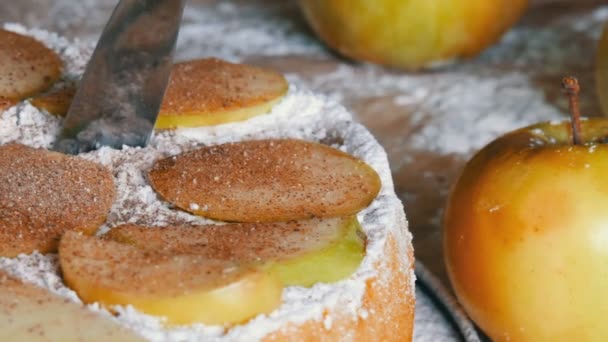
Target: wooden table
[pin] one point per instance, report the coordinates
(422, 176)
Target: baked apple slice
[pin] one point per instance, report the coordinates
(298, 252)
(27, 66)
(266, 181)
(211, 91)
(31, 313)
(6, 103)
(56, 101)
(44, 193)
(183, 288)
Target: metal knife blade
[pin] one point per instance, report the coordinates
(122, 88)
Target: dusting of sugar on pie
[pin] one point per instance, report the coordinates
(301, 114)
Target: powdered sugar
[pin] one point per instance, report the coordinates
(25, 120)
(459, 112)
(232, 32)
(472, 111)
(301, 114)
(551, 46)
(318, 119)
(25, 123)
(42, 270)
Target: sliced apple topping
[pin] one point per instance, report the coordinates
(266, 181)
(31, 313)
(26, 66)
(43, 194)
(5, 103)
(211, 91)
(184, 288)
(298, 252)
(56, 101)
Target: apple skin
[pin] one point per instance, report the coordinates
(526, 235)
(410, 34)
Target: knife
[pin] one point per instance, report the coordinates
(122, 88)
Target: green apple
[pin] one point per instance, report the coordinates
(526, 234)
(410, 34)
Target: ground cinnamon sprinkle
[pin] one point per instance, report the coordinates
(43, 194)
(300, 115)
(226, 86)
(255, 241)
(265, 181)
(27, 65)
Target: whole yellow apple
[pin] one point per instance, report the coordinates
(526, 235)
(410, 34)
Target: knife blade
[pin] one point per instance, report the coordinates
(119, 96)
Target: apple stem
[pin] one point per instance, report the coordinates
(571, 88)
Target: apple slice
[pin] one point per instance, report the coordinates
(56, 101)
(6, 103)
(298, 252)
(44, 193)
(31, 313)
(211, 91)
(184, 288)
(266, 181)
(337, 260)
(27, 66)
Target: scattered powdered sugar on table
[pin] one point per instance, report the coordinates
(458, 112)
(231, 32)
(552, 46)
(301, 114)
(472, 111)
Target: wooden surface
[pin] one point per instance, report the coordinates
(423, 181)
